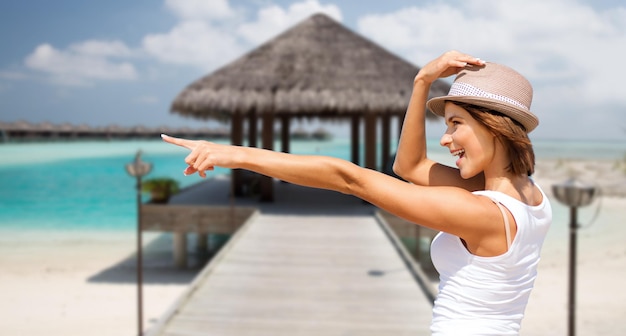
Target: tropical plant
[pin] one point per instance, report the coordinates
(160, 188)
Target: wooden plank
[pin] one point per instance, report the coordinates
(305, 275)
(158, 328)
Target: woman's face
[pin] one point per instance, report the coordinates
(469, 140)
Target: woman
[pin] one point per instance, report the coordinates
(492, 217)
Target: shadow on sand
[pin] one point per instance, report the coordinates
(158, 265)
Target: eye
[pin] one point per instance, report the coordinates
(454, 121)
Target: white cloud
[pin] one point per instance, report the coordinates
(209, 34)
(97, 48)
(274, 19)
(82, 63)
(195, 43)
(200, 9)
(214, 35)
(561, 45)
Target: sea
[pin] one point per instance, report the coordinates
(83, 186)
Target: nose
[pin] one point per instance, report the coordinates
(446, 140)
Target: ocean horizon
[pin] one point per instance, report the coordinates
(83, 186)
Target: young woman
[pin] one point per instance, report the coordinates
(492, 217)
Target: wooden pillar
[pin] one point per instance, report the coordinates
(267, 184)
(385, 141)
(253, 133)
(284, 133)
(285, 141)
(236, 138)
(202, 242)
(180, 249)
(370, 141)
(355, 138)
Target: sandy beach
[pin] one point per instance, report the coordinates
(84, 284)
(81, 283)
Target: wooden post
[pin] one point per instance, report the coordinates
(180, 249)
(236, 138)
(253, 133)
(370, 141)
(285, 141)
(386, 141)
(203, 242)
(284, 133)
(236, 129)
(355, 138)
(267, 183)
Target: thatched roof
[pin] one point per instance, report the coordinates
(316, 68)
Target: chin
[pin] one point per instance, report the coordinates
(467, 174)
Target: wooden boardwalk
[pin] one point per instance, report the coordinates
(318, 273)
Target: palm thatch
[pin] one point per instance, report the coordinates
(316, 68)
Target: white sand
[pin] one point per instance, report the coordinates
(84, 284)
(78, 284)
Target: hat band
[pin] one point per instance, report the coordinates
(463, 89)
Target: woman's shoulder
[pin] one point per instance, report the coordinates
(538, 207)
(535, 198)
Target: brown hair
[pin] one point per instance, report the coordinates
(510, 133)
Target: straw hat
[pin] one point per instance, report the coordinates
(492, 86)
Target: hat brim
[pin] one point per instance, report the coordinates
(524, 117)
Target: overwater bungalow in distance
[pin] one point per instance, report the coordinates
(23, 131)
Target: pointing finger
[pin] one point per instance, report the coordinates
(189, 144)
(189, 170)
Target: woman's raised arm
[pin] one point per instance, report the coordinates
(412, 162)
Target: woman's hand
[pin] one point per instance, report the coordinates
(204, 155)
(450, 63)
(412, 162)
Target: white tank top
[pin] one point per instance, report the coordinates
(488, 295)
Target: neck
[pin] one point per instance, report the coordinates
(498, 178)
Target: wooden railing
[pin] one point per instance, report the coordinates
(419, 236)
(202, 220)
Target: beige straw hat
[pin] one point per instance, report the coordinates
(492, 86)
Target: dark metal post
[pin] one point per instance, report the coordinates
(139, 263)
(138, 169)
(574, 194)
(573, 227)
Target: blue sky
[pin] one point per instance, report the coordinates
(123, 62)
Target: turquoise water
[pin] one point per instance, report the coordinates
(84, 186)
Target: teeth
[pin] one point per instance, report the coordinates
(458, 152)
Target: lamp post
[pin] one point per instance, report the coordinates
(574, 194)
(138, 169)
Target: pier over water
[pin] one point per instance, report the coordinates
(314, 262)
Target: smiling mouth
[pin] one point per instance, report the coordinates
(458, 153)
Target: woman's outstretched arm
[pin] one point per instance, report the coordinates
(308, 170)
(412, 162)
(453, 210)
